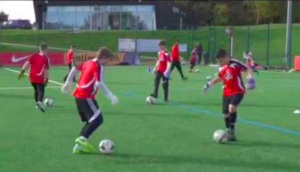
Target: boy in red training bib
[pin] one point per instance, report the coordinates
(162, 71)
(69, 59)
(38, 74)
(233, 90)
(193, 59)
(90, 81)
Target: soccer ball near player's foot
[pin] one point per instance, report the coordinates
(106, 146)
(150, 100)
(220, 136)
(48, 102)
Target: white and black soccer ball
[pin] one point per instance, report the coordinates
(106, 146)
(220, 136)
(151, 100)
(48, 102)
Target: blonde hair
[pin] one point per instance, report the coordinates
(105, 53)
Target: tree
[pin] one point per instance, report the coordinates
(221, 14)
(3, 17)
(265, 11)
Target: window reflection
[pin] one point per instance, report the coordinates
(126, 17)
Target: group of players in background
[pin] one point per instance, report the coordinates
(91, 80)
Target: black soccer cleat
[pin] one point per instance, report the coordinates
(231, 135)
(185, 78)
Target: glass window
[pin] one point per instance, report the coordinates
(60, 17)
(83, 17)
(101, 17)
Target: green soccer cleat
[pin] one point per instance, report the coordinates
(77, 149)
(82, 146)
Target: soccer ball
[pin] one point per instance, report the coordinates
(49, 102)
(220, 136)
(150, 100)
(197, 70)
(106, 146)
(208, 78)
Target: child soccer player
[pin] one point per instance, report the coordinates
(38, 74)
(251, 63)
(233, 89)
(69, 59)
(162, 71)
(176, 59)
(90, 81)
(193, 59)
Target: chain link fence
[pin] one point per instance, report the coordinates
(266, 42)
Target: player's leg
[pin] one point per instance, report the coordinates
(193, 64)
(70, 67)
(95, 118)
(157, 79)
(35, 92)
(166, 89)
(232, 109)
(179, 68)
(172, 65)
(90, 113)
(226, 103)
(40, 96)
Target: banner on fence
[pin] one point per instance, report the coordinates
(143, 45)
(58, 58)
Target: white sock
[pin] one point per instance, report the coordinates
(83, 138)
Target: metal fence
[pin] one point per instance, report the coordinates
(266, 42)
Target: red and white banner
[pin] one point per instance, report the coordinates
(19, 58)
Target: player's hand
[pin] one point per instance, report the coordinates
(154, 71)
(21, 75)
(46, 81)
(167, 74)
(250, 83)
(65, 89)
(206, 88)
(114, 100)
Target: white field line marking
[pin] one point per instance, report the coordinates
(23, 88)
(51, 81)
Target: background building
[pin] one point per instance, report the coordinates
(113, 15)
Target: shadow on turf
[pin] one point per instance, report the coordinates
(179, 159)
(183, 115)
(266, 106)
(265, 144)
(13, 96)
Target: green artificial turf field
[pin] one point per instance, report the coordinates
(161, 138)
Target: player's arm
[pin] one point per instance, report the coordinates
(155, 67)
(169, 64)
(67, 86)
(207, 86)
(22, 72)
(46, 76)
(101, 85)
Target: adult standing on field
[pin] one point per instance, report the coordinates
(175, 54)
(200, 52)
(69, 59)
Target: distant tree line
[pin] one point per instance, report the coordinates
(244, 12)
(3, 17)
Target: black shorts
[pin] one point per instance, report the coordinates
(233, 100)
(88, 109)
